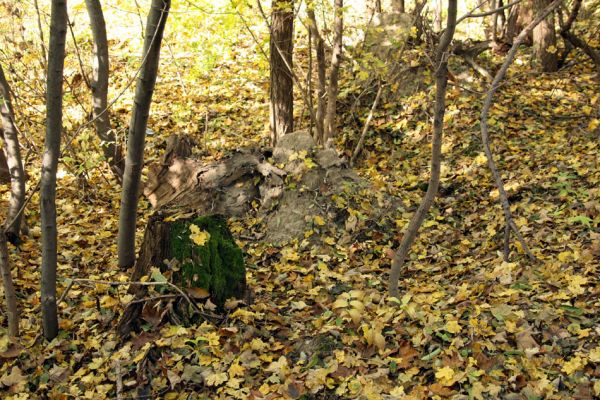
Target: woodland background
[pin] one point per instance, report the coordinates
(318, 321)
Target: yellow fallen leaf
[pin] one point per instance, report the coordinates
(319, 220)
(197, 236)
(216, 379)
(595, 355)
(564, 256)
(453, 326)
(574, 364)
(355, 314)
(445, 376)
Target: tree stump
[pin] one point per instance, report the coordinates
(194, 252)
(294, 189)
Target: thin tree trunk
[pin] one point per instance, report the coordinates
(321, 68)
(441, 81)
(495, 21)
(13, 161)
(484, 122)
(437, 15)
(110, 147)
(155, 27)
(56, 58)
(398, 6)
(332, 89)
(544, 38)
(361, 141)
(12, 310)
(282, 84)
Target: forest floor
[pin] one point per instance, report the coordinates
(321, 326)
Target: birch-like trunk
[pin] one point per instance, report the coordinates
(13, 161)
(110, 147)
(54, 90)
(134, 162)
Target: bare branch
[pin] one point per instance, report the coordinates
(484, 122)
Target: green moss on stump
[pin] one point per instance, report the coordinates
(217, 266)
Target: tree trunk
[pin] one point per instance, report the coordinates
(110, 147)
(332, 89)
(544, 39)
(10, 296)
(437, 15)
(13, 162)
(441, 81)
(155, 26)
(321, 68)
(56, 58)
(398, 6)
(282, 84)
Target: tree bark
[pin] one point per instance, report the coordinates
(13, 162)
(321, 73)
(398, 6)
(282, 84)
(570, 38)
(437, 15)
(332, 89)
(544, 38)
(10, 296)
(56, 58)
(155, 26)
(101, 116)
(441, 81)
(485, 129)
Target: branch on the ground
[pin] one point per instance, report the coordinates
(485, 128)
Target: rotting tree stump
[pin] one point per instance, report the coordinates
(197, 254)
(294, 190)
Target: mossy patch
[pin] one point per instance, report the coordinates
(217, 265)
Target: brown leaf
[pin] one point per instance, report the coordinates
(197, 292)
